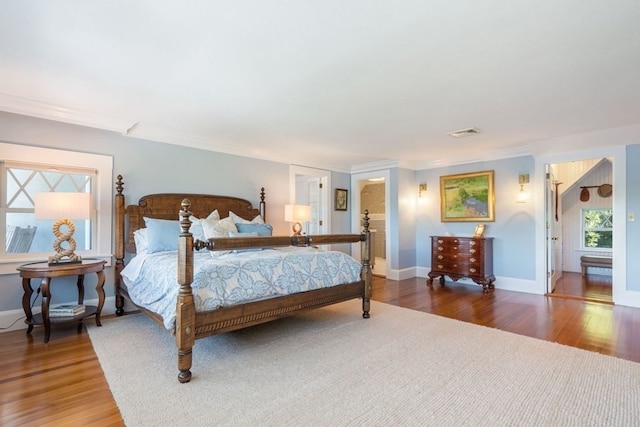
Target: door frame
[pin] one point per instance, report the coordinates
(620, 294)
(325, 179)
(356, 216)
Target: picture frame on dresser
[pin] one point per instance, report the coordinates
(467, 197)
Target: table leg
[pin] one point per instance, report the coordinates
(26, 303)
(80, 285)
(100, 290)
(46, 296)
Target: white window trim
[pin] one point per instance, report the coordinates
(584, 248)
(103, 193)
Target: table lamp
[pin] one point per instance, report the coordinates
(63, 207)
(297, 214)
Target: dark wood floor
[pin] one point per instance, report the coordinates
(61, 383)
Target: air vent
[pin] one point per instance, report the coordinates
(465, 132)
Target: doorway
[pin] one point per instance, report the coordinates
(580, 223)
(309, 186)
(371, 193)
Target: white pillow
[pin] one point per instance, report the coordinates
(218, 227)
(141, 240)
(239, 220)
(196, 225)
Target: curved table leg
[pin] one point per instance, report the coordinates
(46, 297)
(26, 303)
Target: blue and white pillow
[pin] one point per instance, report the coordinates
(263, 230)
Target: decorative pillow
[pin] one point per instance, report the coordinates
(239, 220)
(218, 227)
(196, 225)
(263, 230)
(162, 234)
(141, 240)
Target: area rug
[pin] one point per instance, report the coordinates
(331, 367)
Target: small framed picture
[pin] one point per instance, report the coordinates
(341, 199)
(479, 231)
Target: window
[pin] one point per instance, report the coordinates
(25, 171)
(597, 229)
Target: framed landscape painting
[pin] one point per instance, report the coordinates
(467, 197)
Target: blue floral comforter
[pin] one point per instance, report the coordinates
(234, 278)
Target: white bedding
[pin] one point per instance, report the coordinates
(234, 278)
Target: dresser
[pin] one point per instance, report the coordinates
(459, 257)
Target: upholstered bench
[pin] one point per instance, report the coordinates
(595, 261)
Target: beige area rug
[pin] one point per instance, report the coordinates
(330, 367)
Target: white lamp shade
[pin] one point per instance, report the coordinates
(297, 213)
(54, 205)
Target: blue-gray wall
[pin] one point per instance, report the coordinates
(513, 229)
(152, 167)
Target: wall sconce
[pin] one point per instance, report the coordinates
(61, 207)
(522, 195)
(297, 214)
(422, 187)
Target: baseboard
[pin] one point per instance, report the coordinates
(13, 320)
(505, 283)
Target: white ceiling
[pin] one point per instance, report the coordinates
(332, 83)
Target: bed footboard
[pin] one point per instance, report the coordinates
(190, 326)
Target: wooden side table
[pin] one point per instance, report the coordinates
(42, 270)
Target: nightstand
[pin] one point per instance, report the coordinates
(42, 270)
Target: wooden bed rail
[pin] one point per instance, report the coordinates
(186, 331)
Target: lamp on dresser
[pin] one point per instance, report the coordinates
(63, 207)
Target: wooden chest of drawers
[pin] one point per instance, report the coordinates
(459, 257)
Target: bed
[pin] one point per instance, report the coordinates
(195, 258)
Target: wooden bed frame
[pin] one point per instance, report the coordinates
(192, 325)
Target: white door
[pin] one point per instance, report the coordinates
(553, 215)
(311, 187)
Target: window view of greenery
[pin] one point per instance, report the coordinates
(25, 234)
(598, 228)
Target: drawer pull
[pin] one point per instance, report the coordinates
(473, 260)
(472, 243)
(440, 248)
(473, 270)
(473, 251)
(440, 241)
(440, 257)
(440, 266)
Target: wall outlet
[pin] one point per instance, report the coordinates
(631, 216)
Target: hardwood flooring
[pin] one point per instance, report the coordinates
(590, 287)
(62, 383)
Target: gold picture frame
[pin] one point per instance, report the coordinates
(479, 232)
(467, 197)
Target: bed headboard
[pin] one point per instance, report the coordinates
(167, 206)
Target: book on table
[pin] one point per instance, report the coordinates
(66, 310)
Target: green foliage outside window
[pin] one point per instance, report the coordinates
(598, 228)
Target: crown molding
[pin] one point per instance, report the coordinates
(43, 110)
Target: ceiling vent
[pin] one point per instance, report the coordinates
(465, 132)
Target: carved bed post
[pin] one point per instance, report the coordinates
(366, 266)
(261, 208)
(185, 309)
(119, 249)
